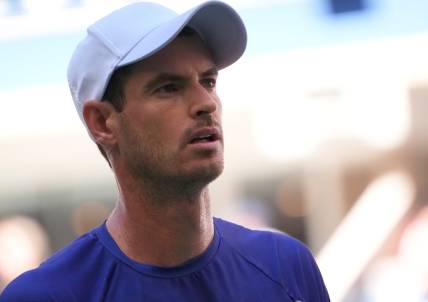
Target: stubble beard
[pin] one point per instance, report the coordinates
(154, 167)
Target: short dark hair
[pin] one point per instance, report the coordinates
(114, 93)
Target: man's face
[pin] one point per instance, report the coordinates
(170, 127)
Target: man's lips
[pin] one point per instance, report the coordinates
(205, 135)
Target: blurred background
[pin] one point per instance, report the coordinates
(326, 127)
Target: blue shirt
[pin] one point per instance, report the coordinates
(239, 265)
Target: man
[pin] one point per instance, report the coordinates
(143, 82)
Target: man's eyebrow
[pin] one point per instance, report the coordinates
(213, 71)
(162, 77)
(171, 77)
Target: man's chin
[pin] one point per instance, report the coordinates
(203, 174)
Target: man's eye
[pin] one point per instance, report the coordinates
(209, 83)
(167, 88)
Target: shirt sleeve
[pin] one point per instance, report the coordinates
(300, 273)
(320, 292)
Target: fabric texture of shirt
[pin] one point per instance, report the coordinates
(239, 265)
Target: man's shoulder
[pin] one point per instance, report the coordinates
(285, 259)
(54, 274)
(76, 251)
(272, 251)
(260, 240)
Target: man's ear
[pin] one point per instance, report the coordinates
(100, 119)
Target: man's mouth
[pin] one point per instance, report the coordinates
(203, 138)
(205, 135)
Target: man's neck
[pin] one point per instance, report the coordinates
(162, 229)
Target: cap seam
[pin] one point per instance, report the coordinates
(188, 20)
(138, 41)
(98, 34)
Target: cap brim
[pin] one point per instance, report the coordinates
(219, 26)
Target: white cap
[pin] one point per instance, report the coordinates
(139, 30)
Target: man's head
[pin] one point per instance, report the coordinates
(145, 87)
(141, 29)
(114, 92)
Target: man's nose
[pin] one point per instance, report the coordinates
(202, 101)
